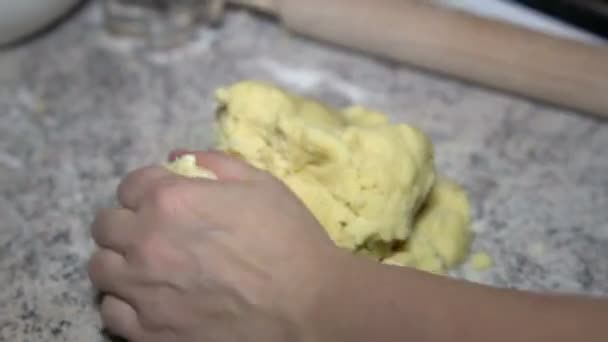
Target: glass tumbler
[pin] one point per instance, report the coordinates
(161, 24)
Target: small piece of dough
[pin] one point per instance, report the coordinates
(186, 166)
(481, 261)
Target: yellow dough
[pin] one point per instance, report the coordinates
(481, 261)
(362, 178)
(371, 184)
(186, 166)
(442, 234)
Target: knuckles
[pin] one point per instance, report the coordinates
(156, 313)
(167, 195)
(100, 266)
(148, 248)
(160, 223)
(155, 253)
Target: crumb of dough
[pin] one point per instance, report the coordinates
(371, 184)
(481, 261)
(537, 249)
(186, 166)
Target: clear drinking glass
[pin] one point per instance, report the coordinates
(159, 23)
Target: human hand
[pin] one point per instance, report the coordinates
(190, 260)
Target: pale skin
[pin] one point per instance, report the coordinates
(242, 260)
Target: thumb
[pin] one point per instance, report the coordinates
(223, 165)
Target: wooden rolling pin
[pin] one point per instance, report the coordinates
(492, 53)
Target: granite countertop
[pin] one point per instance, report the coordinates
(79, 109)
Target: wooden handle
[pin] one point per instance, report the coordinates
(492, 53)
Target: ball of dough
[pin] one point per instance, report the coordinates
(363, 178)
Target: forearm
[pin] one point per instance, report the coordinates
(382, 303)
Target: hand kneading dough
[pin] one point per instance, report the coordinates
(372, 185)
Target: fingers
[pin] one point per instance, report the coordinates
(225, 166)
(120, 318)
(115, 229)
(108, 273)
(133, 189)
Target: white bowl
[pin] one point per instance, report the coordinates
(20, 18)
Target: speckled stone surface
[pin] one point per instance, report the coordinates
(78, 110)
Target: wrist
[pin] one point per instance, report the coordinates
(335, 303)
(361, 300)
